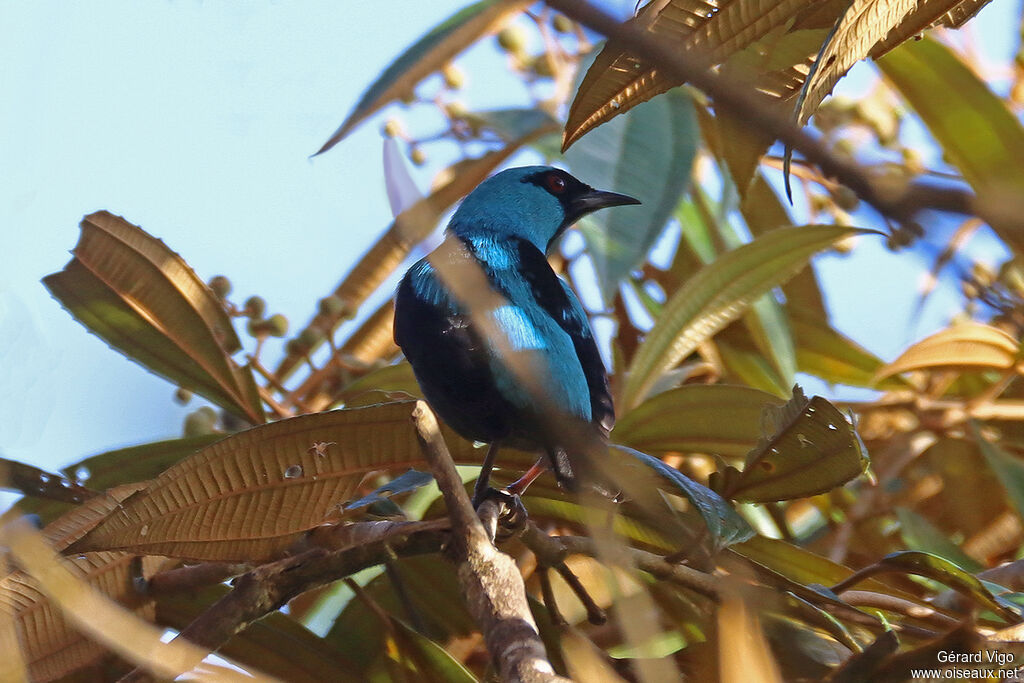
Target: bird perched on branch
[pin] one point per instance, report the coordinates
(500, 345)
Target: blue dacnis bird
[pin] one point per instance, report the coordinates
(500, 345)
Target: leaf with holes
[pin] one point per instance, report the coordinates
(718, 294)
(809, 448)
(426, 56)
(140, 297)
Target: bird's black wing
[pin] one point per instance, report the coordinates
(555, 297)
(449, 358)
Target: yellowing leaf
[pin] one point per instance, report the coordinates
(689, 420)
(810, 447)
(426, 56)
(964, 346)
(142, 298)
(252, 494)
(718, 294)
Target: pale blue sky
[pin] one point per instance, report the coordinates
(195, 120)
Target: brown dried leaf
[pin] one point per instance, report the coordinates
(928, 14)
(129, 288)
(251, 495)
(715, 31)
(50, 646)
(617, 81)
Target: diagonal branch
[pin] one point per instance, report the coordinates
(269, 586)
(895, 202)
(494, 588)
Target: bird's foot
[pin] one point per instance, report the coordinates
(513, 515)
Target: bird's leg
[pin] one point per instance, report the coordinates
(481, 488)
(518, 487)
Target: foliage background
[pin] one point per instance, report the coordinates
(183, 180)
(194, 120)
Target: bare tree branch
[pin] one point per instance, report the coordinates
(495, 594)
(268, 587)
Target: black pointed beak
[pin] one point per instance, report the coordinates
(591, 201)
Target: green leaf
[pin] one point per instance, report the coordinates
(764, 211)
(823, 352)
(766, 321)
(920, 534)
(718, 294)
(688, 419)
(435, 597)
(976, 130)
(810, 448)
(432, 662)
(276, 644)
(426, 56)
(938, 569)
(512, 123)
(1008, 469)
(647, 154)
(745, 364)
(725, 525)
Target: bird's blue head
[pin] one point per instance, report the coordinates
(535, 203)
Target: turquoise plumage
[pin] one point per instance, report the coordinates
(507, 371)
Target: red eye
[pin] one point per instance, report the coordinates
(555, 183)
